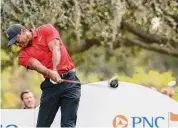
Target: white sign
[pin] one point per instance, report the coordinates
(129, 105)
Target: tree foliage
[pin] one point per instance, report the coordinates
(111, 23)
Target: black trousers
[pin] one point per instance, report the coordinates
(64, 95)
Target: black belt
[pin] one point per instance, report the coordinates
(67, 74)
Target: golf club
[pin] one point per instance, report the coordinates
(113, 82)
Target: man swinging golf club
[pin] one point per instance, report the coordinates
(43, 50)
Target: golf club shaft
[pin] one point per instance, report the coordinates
(82, 83)
(71, 81)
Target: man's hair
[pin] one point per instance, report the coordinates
(24, 92)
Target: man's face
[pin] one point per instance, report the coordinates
(28, 100)
(22, 39)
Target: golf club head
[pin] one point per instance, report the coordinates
(114, 82)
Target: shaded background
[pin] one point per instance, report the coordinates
(136, 40)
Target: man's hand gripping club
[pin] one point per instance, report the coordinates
(54, 76)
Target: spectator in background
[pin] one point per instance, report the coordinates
(169, 91)
(28, 99)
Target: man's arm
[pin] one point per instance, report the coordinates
(34, 64)
(54, 47)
